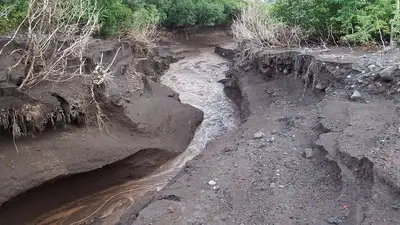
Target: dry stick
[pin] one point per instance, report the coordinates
(14, 132)
(333, 37)
(112, 62)
(383, 42)
(323, 44)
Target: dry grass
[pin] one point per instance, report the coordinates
(147, 35)
(257, 27)
(144, 37)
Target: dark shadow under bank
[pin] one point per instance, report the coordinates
(60, 191)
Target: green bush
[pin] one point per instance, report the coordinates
(356, 21)
(12, 13)
(115, 16)
(191, 12)
(144, 17)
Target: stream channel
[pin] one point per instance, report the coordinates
(195, 78)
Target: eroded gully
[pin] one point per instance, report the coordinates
(195, 78)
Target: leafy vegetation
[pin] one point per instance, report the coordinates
(12, 13)
(348, 21)
(354, 21)
(191, 12)
(119, 16)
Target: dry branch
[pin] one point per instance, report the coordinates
(56, 32)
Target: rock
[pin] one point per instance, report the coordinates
(286, 72)
(320, 87)
(226, 149)
(334, 220)
(212, 183)
(372, 68)
(259, 135)
(228, 82)
(356, 95)
(308, 153)
(396, 206)
(389, 73)
(225, 52)
(216, 188)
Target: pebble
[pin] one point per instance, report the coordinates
(286, 72)
(212, 183)
(372, 68)
(308, 152)
(226, 149)
(396, 206)
(259, 135)
(320, 87)
(171, 210)
(356, 95)
(334, 220)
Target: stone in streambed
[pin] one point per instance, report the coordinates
(356, 95)
(259, 135)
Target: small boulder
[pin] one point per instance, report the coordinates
(227, 82)
(225, 52)
(389, 74)
(356, 95)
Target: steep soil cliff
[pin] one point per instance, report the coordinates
(52, 130)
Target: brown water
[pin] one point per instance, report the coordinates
(196, 79)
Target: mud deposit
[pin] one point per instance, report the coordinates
(195, 78)
(307, 152)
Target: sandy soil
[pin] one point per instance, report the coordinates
(302, 155)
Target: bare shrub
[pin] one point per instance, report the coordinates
(256, 26)
(56, 31)
(58, 34)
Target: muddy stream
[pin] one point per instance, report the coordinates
(195, 78)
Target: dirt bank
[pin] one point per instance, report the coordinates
(318, 145)
(145, 125)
